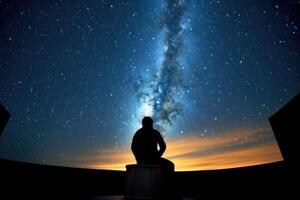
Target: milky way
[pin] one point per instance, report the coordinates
(161, 92)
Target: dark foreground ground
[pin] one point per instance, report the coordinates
(32, 181)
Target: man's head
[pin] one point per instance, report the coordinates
(147, 122)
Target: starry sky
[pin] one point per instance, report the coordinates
(78, 77)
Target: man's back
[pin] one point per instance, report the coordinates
(144, 145)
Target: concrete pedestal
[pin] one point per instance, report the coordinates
(147, 182)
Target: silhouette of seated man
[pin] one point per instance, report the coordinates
(144, 145)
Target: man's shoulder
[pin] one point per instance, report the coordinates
(142, 131)
(156, 132)
(138, 132)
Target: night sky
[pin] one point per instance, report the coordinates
(78, 77)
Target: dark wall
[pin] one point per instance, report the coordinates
(255, 182)
(286, 127)
(4, 116)
(32, 181)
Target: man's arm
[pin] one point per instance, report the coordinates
(162, 145)
(133, 145)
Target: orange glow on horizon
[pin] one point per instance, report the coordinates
(233, 149)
